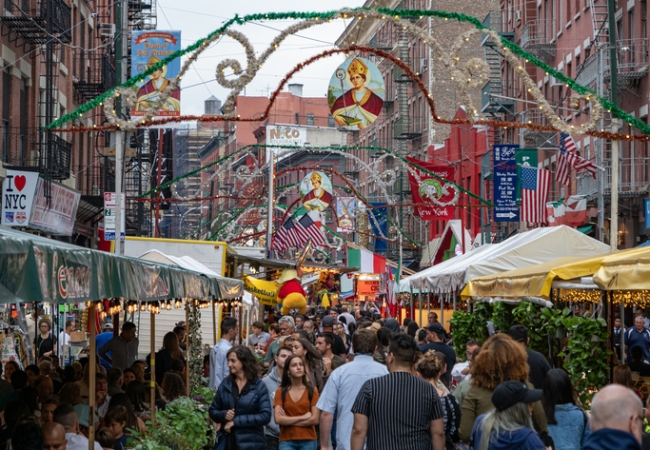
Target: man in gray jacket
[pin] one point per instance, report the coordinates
(272, 382)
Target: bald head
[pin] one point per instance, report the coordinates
(619, 408)
(54, 435)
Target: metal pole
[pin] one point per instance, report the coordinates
(91, 372)
(122, 14)
(214, 322)
(190, 330)
(152, 367)
(161, 134)
(271, 187)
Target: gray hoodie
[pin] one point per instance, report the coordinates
(272, 383)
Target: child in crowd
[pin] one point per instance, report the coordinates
(105, 438)
(115, 420)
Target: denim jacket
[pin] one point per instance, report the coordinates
(571, 429)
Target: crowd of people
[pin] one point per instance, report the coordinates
(46, 406)
(342, 379)
(334, 379)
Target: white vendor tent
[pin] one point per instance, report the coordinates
(524, 249)
(167, 320)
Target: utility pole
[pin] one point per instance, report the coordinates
(121, 55)
(613, 86)
(270, 200)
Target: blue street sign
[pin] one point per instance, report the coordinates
(646, 203)
(505, 184)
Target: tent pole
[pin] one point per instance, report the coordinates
(189, 343)
(442, 309)
(420, 303)
(152, 366)
(214, 322)
(91, 372)
(622, 326)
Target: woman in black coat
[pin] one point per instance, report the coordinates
(241, 404)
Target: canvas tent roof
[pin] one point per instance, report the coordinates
(522, 250)
(228, 287)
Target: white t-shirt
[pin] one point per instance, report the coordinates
(64, 338)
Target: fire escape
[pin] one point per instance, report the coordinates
(47, 25)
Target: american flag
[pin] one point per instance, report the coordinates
(296, 232)
(534, 192)
(567, 143)
(570, 157)
(308, 227)
(287, 236)
(562, 172)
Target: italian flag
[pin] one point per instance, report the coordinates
(366, 261)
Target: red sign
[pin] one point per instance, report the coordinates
(438, 190)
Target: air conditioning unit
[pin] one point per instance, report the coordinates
(554, 82)
(518, 15)
(107, 30)
(424, 63)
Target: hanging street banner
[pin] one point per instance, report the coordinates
(379, 226)
(425, 188)
(345, 212)
(505, 184)
(265, 291)
(147, 49)
(356, 93)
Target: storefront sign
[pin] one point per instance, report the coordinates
(18, 191)
(368, 287)
(59, 214)
(505, 184)
(646, 204)
(265, 291)
(286, 135)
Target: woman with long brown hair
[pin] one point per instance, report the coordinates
(170, 350)
(312, 359)
(501, 359)
(295, 408)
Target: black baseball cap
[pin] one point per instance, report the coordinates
(509, 393)
(328, 321)
(438, 329)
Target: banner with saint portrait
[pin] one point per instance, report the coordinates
(316, 191)
(345, 213)
(356, 93)
(149, 48)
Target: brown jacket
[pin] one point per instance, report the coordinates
(478, 401)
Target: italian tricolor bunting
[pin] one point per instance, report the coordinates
(366, 261)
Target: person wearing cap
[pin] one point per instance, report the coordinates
(328, 327)
(101, 339)
(436, 337)
(509, 424)
(616, 420)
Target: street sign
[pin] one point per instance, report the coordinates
(505, 184)
(109, 216)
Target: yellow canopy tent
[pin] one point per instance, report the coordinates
(625, 271)
(533, 281)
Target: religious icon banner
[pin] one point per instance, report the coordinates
(149, 48)
(437, 191)
(356, 93)
(316, 191)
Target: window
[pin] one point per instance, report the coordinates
(310, 119)
(297, 120)
(330, 121)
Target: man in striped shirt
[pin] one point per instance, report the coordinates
(398, 411)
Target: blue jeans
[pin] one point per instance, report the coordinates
(299, 445)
